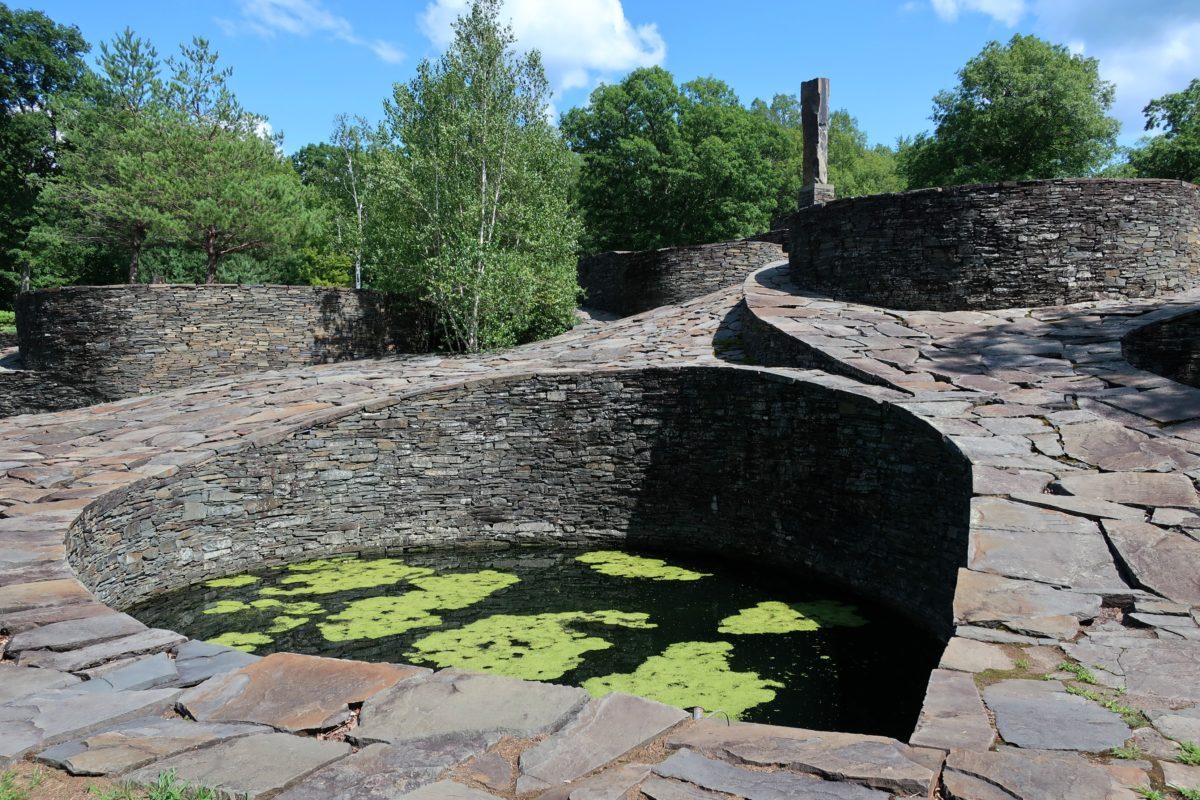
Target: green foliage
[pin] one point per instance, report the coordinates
(475, 185)
(40, 63)
(1189, 753)
(167, 787)
(854, 168)
(1175, 153)
(1081, 673)
(1027, 109)
(1131, 753)
(8, 322)
(1149, 794)
(1188, 794)
(667, 165)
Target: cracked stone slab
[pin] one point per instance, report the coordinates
(657, 788)
(1151, 489)
(292, 692)
(1010, 775)
(873, 761)
(1023, 707)
(983, 599)
(452, 701)
(1169, 670)
(446, 790)
(1182, 725)
(1165, 562)
(75, 633)
(1115, 448)
(146, 672)
(42, 594)
(196, 661)
(603, 730)
(613, 783)
(383, 771)
(968, 655)
(137, 743)
(952, 714)
(17, 682)
(152, 640)
(1082, 506)
(54, 716)
(720, 776)
(250, 766)
(1021, 541)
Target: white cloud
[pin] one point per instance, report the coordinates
(1008, 12)
(267, 18)
(1147, 48)
(579, 40)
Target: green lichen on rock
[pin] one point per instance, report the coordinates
(377, 617)
(330, 576)
(776, 617)
(246, 642)
(233, 582)
(533, 647)
(627, 565)
(690, 674)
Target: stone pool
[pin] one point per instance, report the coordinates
(685, 632)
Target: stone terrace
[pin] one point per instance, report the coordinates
(1083, 550)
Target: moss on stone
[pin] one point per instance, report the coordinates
(776, 617)
(377, 617)
(232, 582)
(330, 576)
(246, 642)
(533, 647)
(627, 565)
(690, 674)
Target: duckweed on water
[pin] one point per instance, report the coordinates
(534, 647)
(299, 608)
(690, 674)
(246, 642)
(776, 617)
(330, 576)
(627, 565)
(377, 617)
(233, 582)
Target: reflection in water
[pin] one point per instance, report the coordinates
(688, 633)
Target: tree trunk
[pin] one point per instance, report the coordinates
(210, 246)
(133, 258)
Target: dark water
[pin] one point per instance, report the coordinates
(688, 632)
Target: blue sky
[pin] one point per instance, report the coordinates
(301, 62)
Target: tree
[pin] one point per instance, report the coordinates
(1025, 110)
(40, 62)
(230, 190)
(667, 165)
(1175, 153)
(112, 189)
(474, 183)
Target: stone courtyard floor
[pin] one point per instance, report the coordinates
(1084, 553)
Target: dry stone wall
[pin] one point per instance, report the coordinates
(24, 392)
(629, 282)
(1008, 245)
(1170, 348)
(736, 462)
(118, 341)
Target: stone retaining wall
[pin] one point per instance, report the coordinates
(739, 463)
(24, 392)
(120, 341)
(1007, 245)
(629, 282)
(1170, 348)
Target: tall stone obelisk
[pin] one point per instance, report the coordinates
(814, 118)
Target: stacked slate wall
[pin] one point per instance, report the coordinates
(1008, 245)
(118, 341)
(1170, 348)
(630, 282)
(733, 462)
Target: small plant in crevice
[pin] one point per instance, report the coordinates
(1189, 753)
(1188, 794)
(168, 787)
(1021, 663)
(1131, 716)
(1131, 753)
(1149, 794)
(1081, 673)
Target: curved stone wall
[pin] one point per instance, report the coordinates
(629, 282)
(1169, 347)
(119, 341)
(1007, 245)
(736, 462)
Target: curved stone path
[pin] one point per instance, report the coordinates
(1083, 552)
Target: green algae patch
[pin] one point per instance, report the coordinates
(234, 582)
(533, 647)
(227, 607)
(377, 617)
(690, 674)
(619, 564)
(299, 608)
(283, 624)
(330, 576)
(775, 617)
(246, 642)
